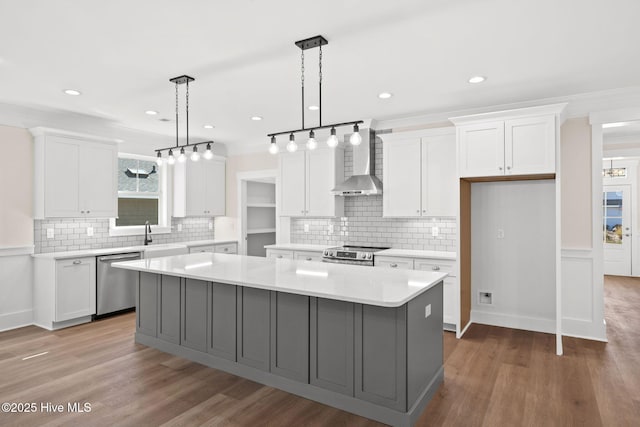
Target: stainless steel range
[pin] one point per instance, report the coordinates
(357, 255)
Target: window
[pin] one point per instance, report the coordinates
(141, 190)
(612, 217)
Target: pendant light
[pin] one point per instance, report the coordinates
(195, 155)
(312, 144)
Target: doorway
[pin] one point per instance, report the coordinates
(258, 224)
(617, 229)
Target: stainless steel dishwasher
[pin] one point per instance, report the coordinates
(115, 287)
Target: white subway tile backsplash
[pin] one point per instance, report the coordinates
(363, 223)
(71, 234)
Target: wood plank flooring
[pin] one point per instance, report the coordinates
(493, 377)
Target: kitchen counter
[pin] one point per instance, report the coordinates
(120, 250)
(299, 247)
(411, 253)
(379, 287)
(364, 340)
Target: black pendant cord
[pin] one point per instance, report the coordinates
(302, 85)
(187, 97)
(320, 87)
(177, 129)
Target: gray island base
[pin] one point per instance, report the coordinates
(380, 362)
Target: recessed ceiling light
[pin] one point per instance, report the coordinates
(72, 92)
(151, 112)
(614, 125)
(385, 95)
(477, 79)
(119, 141)
(256, 118)
(208, 126)
(313, 107)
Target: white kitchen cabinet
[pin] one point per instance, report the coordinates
(199, 188)
(307, 256)
(280, 254)
(450, 284)
(64, 291)
(220, 248)
(75, 176)
(306, 181)
(519, 146)
(420, 174)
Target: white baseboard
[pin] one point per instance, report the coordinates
(535, 324)
(16, 320)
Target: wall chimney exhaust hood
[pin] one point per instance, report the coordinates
(363, 182)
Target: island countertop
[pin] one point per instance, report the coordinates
(374, 286)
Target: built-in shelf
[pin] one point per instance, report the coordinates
(261, 205)
(261, 230)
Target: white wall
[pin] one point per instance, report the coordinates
(519, 269)
(16, 291)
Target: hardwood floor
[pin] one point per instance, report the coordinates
(493, 377)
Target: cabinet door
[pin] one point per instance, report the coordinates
(481, 149)
(62, 184)
(321, 169)
(98, 184)
(222, 321)
(402, 178)
(292, 184)
(450, 303)
(530, 146)
(380, 355)
(195, 188)
(439, 175)
(169, 309)
(332, 345)
(290, 336)
(193, 331)
(75, 288)
(147, 304)
(215, 183)
(254, 315)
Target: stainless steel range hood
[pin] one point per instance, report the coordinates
(363, 182)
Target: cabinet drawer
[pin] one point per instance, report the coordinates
(279, 253)
(393, 262)
(229, 248)
(445, 266)
(196, 249)
(308, 256)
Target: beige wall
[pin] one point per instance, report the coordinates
(575, 154)
(16, 187)
(226, 226)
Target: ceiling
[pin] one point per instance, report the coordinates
(120, 55)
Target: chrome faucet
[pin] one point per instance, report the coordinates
(147, 233)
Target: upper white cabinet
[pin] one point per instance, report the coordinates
(199, 188)
(419, 174)
(75, 175)
(306, 181)
(516, 142)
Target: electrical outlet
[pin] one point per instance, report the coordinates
(485, 298)
(50, 233)
(427, 311)
(306, 228)
(90, 231)
(435, 231)
(500, 233)
(179, 227)
(210, 225)
(330, 228)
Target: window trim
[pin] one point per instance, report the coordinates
(164, 216)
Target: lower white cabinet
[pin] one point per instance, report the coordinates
(224, 248)
(64, 291)
(297, 255)
(450, 289)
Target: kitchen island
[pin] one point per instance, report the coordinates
(364, 340)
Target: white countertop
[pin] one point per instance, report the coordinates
(121, 250)
(299, 247)
(374, 286)
(412, 253)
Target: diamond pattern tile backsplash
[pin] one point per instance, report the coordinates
(71, 234)
(363, 223)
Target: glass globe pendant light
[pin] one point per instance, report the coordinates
(332, 141)
(208, 154)
(195, 156)
(312, 144)
(355, 138)
(292, 147)
(273, 148)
